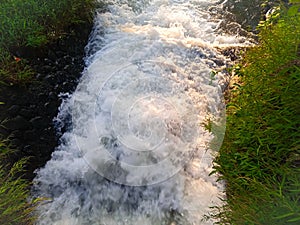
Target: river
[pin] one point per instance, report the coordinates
(146, 119)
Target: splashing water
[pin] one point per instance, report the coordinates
(137, 151)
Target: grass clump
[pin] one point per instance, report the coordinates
(15, 208)
(260, 156)
(12, 70)
(34, 23)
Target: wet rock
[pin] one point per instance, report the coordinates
(66, 67)
(67, 58)
(48, 62)
(51, 106)
(59, 54)
(30, 135)
(231, 52)
(14, 97)
(27, 149)
(219, 62)
(52, 96)
(27, 116)
(50, 79)
(51, 55)
(38, 76)
(38, 122)
(47, 68)
(67, 85)
(42, 95)
(13, 110)
(17, 123)
(26, 113)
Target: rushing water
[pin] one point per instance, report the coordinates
(136, 151)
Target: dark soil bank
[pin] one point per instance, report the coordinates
(26, 118)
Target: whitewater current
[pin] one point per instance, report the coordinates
(145, 121)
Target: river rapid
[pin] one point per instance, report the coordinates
(146, 120)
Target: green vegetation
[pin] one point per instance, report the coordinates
(27, 25)
(34, 23)
(260, 156)
(15, 208)
(12, 70)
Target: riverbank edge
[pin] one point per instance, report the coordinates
(26, 128)
(28, 112)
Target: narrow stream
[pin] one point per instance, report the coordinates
(137, 150)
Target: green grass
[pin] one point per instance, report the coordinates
(15, 206)
(260, 156)
(12, 71)
(35, 23)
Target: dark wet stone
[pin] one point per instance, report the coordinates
(51, 108)
(42, 95)
(66, 67)
(13, 110)
(47, 68)
(52, 96)
(48, 61)
(57, 69)
(38, 122)
(17, 123)
(26, 113)
(59, 54)
(67, 58)
(27, 149)
(38, 76)
(219, 62)
(14, 97)
(50, 79)
(30, 135)
(17, 134)
(232, 53)
(52, 56)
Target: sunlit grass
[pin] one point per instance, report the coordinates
(260, 155)
(34, 23)
(15, 205)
